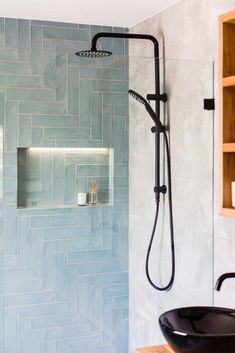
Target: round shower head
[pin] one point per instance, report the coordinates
(137, 96)
(94, 53)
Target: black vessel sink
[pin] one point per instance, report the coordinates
(199, 329)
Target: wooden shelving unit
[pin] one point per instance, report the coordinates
(227, 110)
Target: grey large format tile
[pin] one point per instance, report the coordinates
(188, 36)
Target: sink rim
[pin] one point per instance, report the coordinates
(206, 335)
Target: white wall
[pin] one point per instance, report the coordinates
(189, 31)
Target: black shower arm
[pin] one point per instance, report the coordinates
(128, 36)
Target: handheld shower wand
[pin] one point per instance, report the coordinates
(142, 100)
(158, 129)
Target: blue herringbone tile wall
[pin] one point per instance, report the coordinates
(63, 271)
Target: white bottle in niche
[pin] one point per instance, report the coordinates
(233, 193)
(81, 198)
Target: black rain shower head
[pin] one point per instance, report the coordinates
(93, 53)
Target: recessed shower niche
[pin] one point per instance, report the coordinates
(52, 177)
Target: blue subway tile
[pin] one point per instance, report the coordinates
(10, 68)
(107, 321)
(48, 267)
(23, 33)
(115, 98)
(7, 54)
(66, 33)
(20, 81)
(67, 332)
(90, 256)
(49, 68)
(115, 290)
(10, 126)
(29, 94)
(11, 330)
(60, 276)
(74, 244)
(54, 24)
(109, 86)
(24, 130)
(10, 230)
(36, 253)
(55, 121)
(69, 185)
(29, 298)
(23, 233)
(66, 233)
(121, 302)
(82, 343)
(11, 32)
(109, 278)
(61, 77)
(23, 286)
(66, 134)
(84, 103)
(58, 175)
(42, 108)
(101, 73)
(73, 90)
(2, 31)
(2, 319)
(24, 336)
(96, 308)
(31, 311)
(72, 288)
(96, 101)
(36, 342)
(102, 267)
(48, 321)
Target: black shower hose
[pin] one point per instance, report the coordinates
(171, 281)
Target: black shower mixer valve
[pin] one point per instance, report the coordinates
(160, 189)
(153, 97)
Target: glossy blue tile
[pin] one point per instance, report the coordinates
(2, 31)
(72, 289)
(10, 132)
(23, 233)
(24, 336)
(96, 101)
(36, 341)
(41, 310)
(7, 54)
(11, 32)
(11, 330)
(66, 33)
(73, 90)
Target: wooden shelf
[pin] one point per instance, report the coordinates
(228, 212)
(227, 110)
(229, 81)
(228, 17)
(228, 147)
(156, 349)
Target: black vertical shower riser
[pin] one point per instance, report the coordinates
(157, 129)
(157, 83)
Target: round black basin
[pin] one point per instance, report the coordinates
(201, 329)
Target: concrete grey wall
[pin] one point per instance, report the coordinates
(188, 32)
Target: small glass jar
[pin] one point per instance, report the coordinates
(92, 198)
